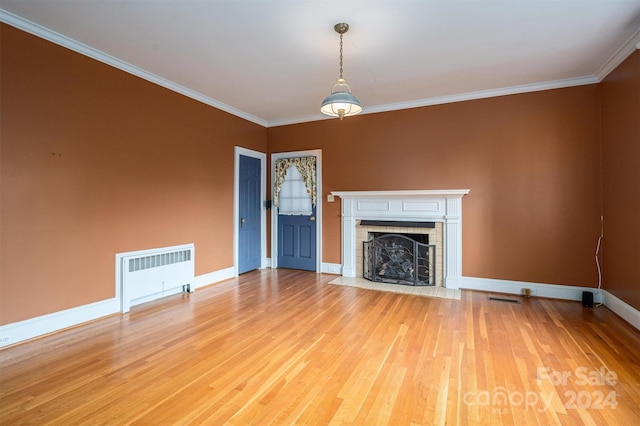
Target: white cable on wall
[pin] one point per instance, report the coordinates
(597, 254)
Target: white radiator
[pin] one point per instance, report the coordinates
(150, 274)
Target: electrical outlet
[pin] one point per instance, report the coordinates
(5, 340)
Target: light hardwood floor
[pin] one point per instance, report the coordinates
(285, 347)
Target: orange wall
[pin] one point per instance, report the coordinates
(94, 162)
(621, 171)
(531, 161)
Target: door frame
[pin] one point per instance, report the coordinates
(237, 152)
(274, 210)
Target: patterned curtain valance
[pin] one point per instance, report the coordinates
(307, 168)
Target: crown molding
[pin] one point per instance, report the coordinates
(482, 94)
(439, 100)
(54, 37)
(305, 119)
(64, 41)
(616, 59)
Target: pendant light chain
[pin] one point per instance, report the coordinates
(341, 57)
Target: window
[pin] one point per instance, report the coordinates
(293, 198)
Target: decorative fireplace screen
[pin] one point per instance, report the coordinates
(399, 259)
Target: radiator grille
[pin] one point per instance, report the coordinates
(158, 260)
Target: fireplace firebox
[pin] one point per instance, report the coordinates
(399, 259)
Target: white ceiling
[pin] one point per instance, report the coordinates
(273, 61)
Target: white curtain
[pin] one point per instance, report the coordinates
(294, 199)
(294, 190)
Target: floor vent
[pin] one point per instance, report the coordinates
(502, 299)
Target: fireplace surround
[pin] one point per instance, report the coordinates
(441, 206)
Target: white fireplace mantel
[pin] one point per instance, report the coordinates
(420, 205)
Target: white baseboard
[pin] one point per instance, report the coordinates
(566, 292)
(214, 277)
(39, 326)
(622, 309)
(28, 329)
(325, 268)
(331, 268)
(554, 291)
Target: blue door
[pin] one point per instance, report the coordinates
(296, 225)
(249, 205)
(297, 242)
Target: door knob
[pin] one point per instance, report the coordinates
(242, 221)
(312, 218)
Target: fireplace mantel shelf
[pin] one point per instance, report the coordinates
(402, 194)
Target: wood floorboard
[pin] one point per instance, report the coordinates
(285, 347)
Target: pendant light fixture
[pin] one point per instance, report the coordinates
(341, 103)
